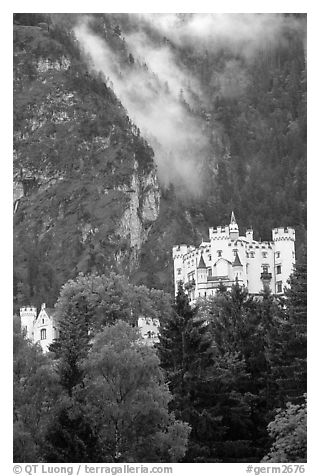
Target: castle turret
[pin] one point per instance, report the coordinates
(202, 270)
(249, 234)
(237, 269)
(284, 256)
(233, 228)
(28, 316)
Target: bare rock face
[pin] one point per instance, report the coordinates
(142, 210)
(86, 192)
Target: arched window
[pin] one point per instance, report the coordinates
(43, 334)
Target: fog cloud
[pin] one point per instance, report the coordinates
(152, 97)
(150, 89)
(245, 33)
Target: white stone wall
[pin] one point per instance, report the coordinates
(284, 240)
(28, 315)
(46, 322)
(219, 254)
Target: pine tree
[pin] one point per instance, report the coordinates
(290, 361)
(183, 347)
(69, 434)
(185, 354)
(72, 345)
(243, 331)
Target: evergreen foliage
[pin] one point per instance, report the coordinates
(104, 396)
(290, 355)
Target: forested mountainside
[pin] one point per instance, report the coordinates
(131, 136)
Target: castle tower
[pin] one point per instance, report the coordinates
(28, 316)
(233, 228)
(284, 256)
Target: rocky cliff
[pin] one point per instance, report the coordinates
(85, 186)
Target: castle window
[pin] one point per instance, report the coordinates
(42, 321)
(43, 334)
(179, 271)
(278, 254)
(293, 255)
(219, 253)
(251, 254)
(264, 254)
(278, 269)
(264, 269)
(209, 257)
(279, 287)
(209, 272)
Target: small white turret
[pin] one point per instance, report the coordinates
(249, 234)
(202, 270)
(28, 315)
(233, 228)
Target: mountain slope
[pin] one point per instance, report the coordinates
(86, 191)
(88, 195)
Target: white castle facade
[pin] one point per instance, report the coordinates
(228, 257)
(39, 328)
(43, 328)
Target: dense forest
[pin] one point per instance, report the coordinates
(225, 383)
(114, 164)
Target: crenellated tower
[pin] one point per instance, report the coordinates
(28, 316)
(284, 256)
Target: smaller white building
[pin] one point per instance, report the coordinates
(39, 328)
(43, 328)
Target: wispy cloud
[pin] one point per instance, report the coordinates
(150, 89)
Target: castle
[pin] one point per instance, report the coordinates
(43, 329)
(225, 259)
(228, 257)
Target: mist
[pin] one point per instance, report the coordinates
(154, 101)
(244, 33)
(162, 96)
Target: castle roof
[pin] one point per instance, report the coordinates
(201, 264)
(48, 310)
(237, 261)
